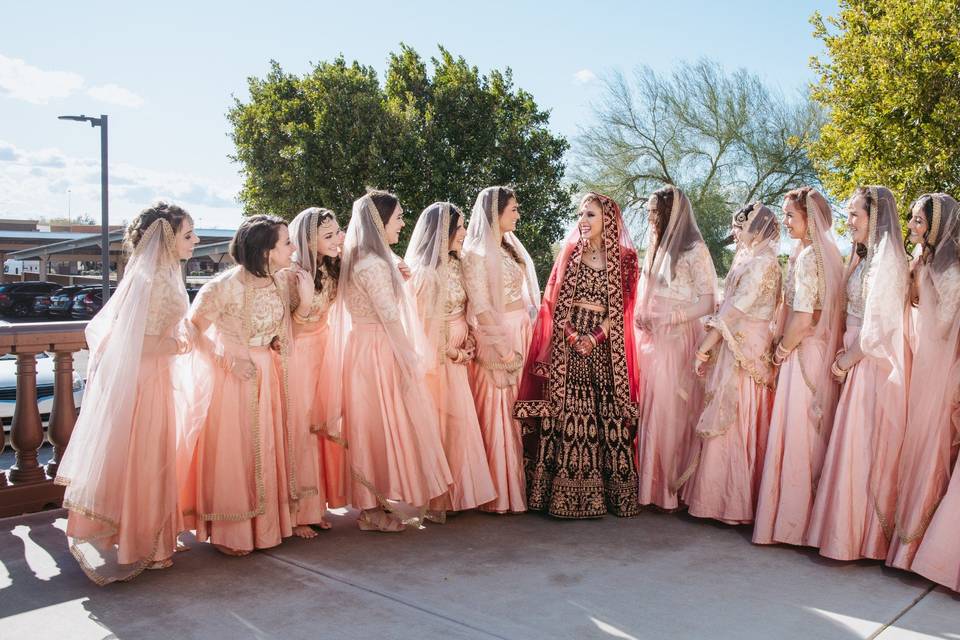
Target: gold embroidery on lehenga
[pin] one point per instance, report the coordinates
(584, 466)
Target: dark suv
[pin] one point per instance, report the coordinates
(59, 303)
(87, 302)
(16, 298)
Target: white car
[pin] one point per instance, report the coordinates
(8, 387)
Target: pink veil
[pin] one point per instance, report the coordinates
(883, 337)
(828, 328)
(660, 260)
(365, 245)
(885, 277)
(482, 265)
(428, 258)
(755, 271)
(96, 462)
(925, 459)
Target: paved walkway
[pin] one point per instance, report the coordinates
(478, 577)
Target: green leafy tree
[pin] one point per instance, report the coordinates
(724, 138)
(442, 131)
(890, 80)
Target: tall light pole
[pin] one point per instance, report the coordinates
(104, 205)
(69, 216)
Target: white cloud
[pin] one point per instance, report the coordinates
(26, 82)
(34, 182)
(23, 81)
(584, 76)
(115, 95)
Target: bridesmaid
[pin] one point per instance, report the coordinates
(377, 354)
(854, 511)
(806, 394)
(315, 235)
(244, 484)
(726, 459)
(433, 256)
(929, 444)
(677, 289)
(503, 294)
(120, 468)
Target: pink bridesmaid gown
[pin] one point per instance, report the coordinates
(245, 485)
(671, 396)
(853, 514)
(494, 403)
(724, 474)
(395, 450)
(800, 426)
(459, 426)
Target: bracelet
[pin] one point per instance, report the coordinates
(837, 371)
(701, 356)
(599, 335)
(592, 339)
(781, 354)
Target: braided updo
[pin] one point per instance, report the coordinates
(172, 213)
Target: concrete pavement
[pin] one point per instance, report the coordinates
(477, 577)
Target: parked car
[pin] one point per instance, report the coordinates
(88, 302)
(59, 303)
(16, 298)
(8, 387)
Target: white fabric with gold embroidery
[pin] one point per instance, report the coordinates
(167, 306)
(855, 292)
(456, 303)
(692, 276)
(757, 292)
(802, 292)
(370, 295)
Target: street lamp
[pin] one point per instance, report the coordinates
(104, 206)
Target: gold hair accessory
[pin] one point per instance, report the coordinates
(935, 222)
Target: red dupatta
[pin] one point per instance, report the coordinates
(542, 387)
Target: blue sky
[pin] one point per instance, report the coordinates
(165, 74)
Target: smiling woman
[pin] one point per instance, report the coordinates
(120, 468)
(578, 396)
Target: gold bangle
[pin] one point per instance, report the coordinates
(701, 356)
(837, 370)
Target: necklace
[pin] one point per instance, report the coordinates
(594, 254)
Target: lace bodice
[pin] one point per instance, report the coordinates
(456, 293)
(168, 305)
(756, 289)
(855, 300)
(266, 315)
(591, 286)
(320, 303)
(693, 276)
(802, 291)
(512, 278)
(242, 312)
(369, 294)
